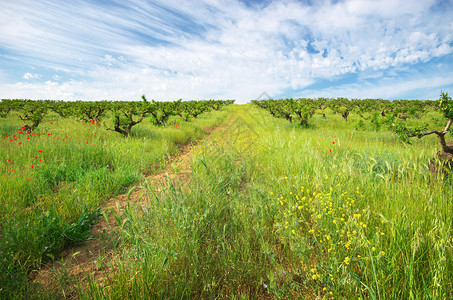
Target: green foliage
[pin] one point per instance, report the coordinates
(360, 124)
(376, 111)
(445, 104)
(122, 113)
(5, 108)
(63, 109)
(33, 112)
(91, 111)
(404, 131)
(304, 110)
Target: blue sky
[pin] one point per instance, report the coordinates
(231, 49)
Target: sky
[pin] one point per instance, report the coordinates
(230, 49)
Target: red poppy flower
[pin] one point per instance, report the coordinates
(32, 167)
(40, 151)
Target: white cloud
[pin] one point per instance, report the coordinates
(443, 49)
(212, 49)
(30, 76)
(389, 88)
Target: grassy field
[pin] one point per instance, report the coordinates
(53, 181)
(340, 210)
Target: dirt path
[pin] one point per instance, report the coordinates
(73, 266)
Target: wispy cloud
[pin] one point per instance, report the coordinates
(388, 88)
(218, 49)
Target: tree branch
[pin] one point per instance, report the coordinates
(448, 125)
(420, 135)
(440, 134)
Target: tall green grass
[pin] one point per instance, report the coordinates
(332, 211)
(53, 180)
(402, 244)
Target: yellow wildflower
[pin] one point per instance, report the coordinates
(347, 260)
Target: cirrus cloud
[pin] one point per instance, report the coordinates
(216, 49)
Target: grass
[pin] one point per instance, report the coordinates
(52, 182)
(274, 210)
(388, 184)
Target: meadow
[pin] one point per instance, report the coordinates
(53, 181)
(336, 210)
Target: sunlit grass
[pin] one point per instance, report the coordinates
(333, 211)
(295, 213)
(68, 168)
